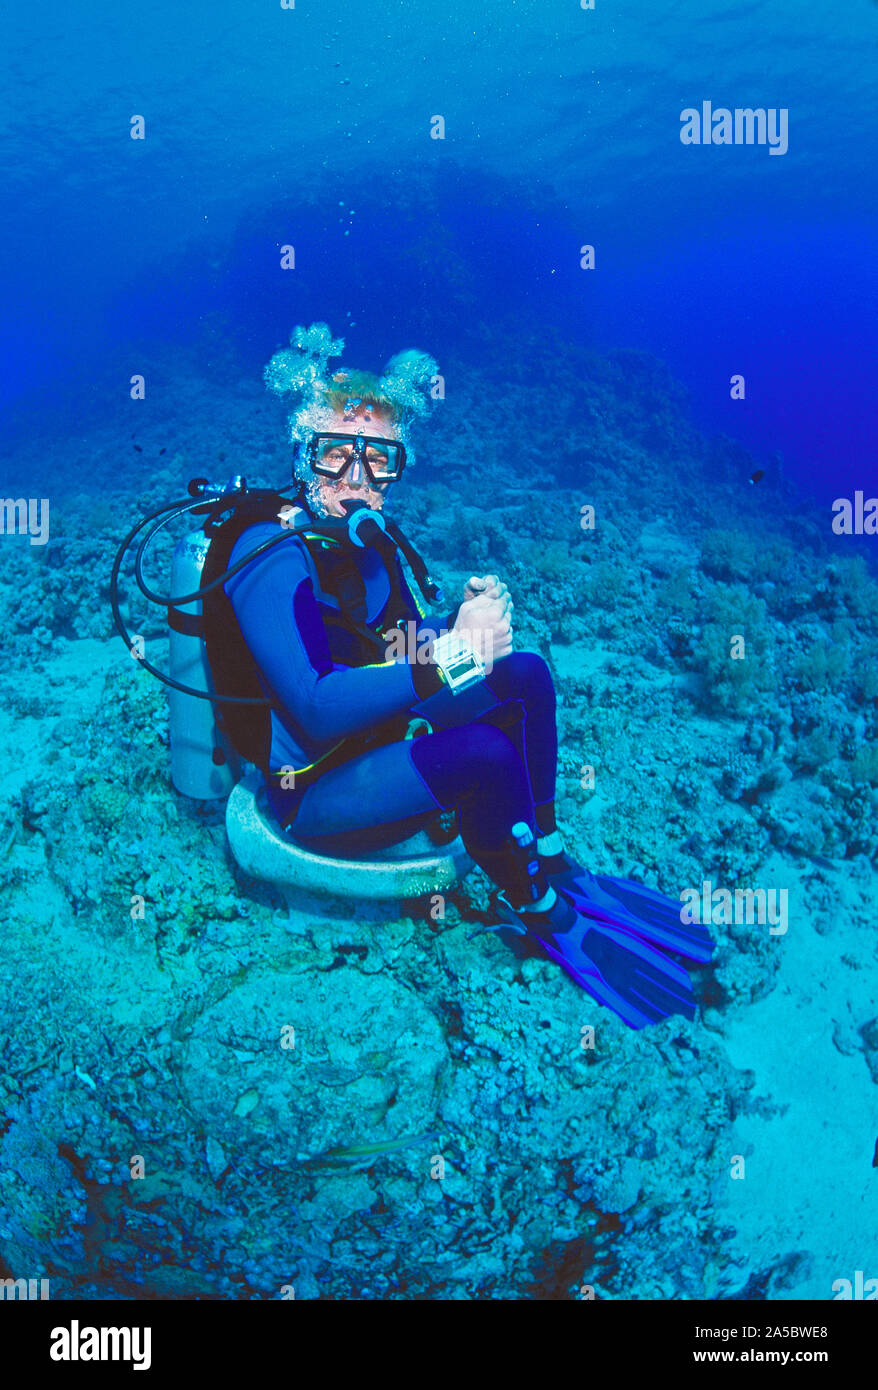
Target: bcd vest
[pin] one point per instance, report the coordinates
(352, 642)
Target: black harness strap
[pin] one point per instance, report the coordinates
(232, 667)
(339, 575)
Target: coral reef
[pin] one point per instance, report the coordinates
(441, 1126)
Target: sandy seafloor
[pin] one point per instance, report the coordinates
(564, 1167)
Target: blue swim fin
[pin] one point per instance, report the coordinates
(630, 906)
(617, 968)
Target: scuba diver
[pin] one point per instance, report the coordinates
(306, 607)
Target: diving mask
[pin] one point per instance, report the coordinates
(332, 455)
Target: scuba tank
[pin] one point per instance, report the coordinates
(203, 763)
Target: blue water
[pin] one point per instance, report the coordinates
(562, 128)
(311, 127)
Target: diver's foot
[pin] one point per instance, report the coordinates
(639, 983)
(631, 907)
(558, 915)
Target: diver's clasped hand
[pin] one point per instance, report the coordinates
(486, 584)
(486, 616)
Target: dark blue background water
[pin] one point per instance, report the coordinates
(311, 126)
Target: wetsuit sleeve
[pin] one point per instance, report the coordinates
(433, 621)
(277, 613)
(446, 621)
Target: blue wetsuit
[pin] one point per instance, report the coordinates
(493, 750)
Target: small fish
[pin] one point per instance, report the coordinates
(162, 451)
(819, 859)
(822, 861)
(339, 1157)
(757, 476)
(138, 448)
(875, 1155)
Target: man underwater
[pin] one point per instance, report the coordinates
(317, 615)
